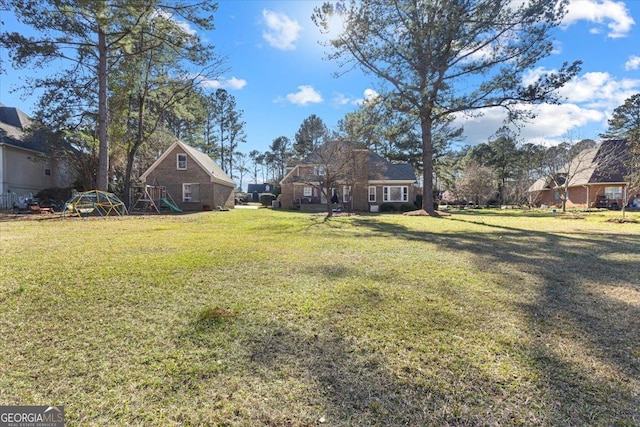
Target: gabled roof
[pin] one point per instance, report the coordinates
(603, 163)
(205, 162)
(380, 169)
(13, 124)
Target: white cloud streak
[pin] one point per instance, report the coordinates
(614, 13)
(305, 95)
(282, 32)
(633, 63)
(233, 83)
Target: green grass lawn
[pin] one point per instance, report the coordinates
(261, 317)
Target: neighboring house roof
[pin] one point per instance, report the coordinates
(205, 162)
(13, 124)
(259, 188)
(600, 164)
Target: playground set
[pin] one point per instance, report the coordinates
(153, 198)
(94, 202)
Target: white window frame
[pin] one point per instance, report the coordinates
(47, 169)
(372, 193)
(319, 170)
(613, 191)
(181, 165)
(307, 192)
(346, 193)
(187, 192)
(404, 193)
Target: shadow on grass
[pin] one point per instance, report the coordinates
(355, 385)
(571, 309)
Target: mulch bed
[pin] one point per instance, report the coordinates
(571, 217)
(422, 212)
(623, 220)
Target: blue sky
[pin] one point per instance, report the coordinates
(278, 74)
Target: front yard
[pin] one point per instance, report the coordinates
(261, 317)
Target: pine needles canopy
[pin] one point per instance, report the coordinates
(94, 202)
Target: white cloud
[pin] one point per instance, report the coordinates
(592, 90)
(184, 26)
(305, 95)
(282, 32)
(614, 13)
(370, 95)
(233, 83)
(341, 99)
(633, 63)
(551, 121)
(599, 90)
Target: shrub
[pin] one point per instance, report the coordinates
(418, 201)
(407, 207)
(388, 207)
(266, 199)
(58, 195)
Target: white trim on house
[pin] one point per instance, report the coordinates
(346, 193)
(181, 165)
(193, 196)
(404, 194)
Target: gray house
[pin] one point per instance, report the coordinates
(25, 166)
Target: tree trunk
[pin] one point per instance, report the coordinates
(127, 180)
(427, 162)
(329, 202)
(102, 181)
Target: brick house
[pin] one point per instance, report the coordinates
(349, 177)
(193, 179)
(596, 180)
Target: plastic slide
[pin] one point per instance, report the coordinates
(170, 205)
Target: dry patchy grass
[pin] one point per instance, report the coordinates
(257, 317)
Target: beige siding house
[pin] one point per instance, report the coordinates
(25, 166)
(193, 179)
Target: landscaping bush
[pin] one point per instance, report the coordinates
(418, 201)
(408, 207)
(266, 199)
(57, 194)
(388, 207)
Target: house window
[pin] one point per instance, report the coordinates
(181, 162)
(47, 169)
(191, 193)
(398, 193)
(372, 193)
(613, 192)
(346, 194)
(307, 191)
(319, 170)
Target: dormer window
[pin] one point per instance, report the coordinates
(181, 162)
(319, 171)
